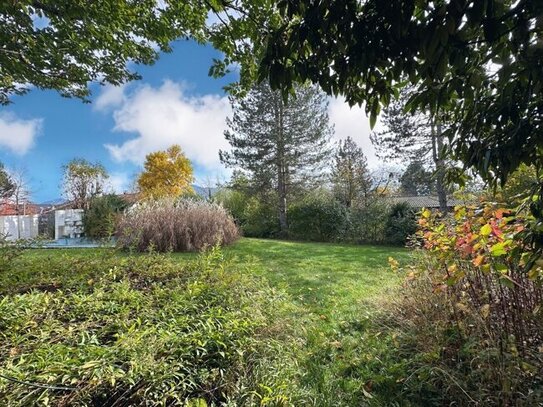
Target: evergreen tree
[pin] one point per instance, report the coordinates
(280, 145)
(417, 180)
(6, 183)
(351, 180)
(413, 137)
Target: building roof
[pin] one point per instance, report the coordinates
(8, 208)
(426, 201)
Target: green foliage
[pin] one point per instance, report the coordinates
(400, 224)
(281, 145)
(100, 220)
(367, 222)
(366, 51)
(6, 183)
(66, 45)
(82, 181)
(143, 330)
(318, 217)
(351, 181)
(417, 180)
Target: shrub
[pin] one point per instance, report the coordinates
(100, 220)
(145, 330)
(170, 225)
(254, 216)
(319, 217)
(471, 318)
(367, 222)
(400, 224)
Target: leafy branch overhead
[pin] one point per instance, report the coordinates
(66, 44)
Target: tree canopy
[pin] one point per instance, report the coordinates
(67, 44)
(478, 61)
(82, 181)
(7, 185)
(167, 173)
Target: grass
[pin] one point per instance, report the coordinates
(336, 291)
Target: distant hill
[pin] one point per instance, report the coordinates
(204, 192)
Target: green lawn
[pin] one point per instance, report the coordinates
(327, 279)
(336, 290)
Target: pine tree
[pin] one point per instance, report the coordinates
(280, 145)
(413, 137)
(417, 180)
(351, 180)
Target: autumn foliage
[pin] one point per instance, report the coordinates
(482, 265)
(167, 173)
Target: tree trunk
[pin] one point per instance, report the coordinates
(437, 155)
(281, 174)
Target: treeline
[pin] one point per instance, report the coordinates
(291, 181)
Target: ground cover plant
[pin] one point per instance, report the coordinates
(99, 328)
(308, 306)
(175, 225)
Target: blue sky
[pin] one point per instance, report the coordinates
(174, 102)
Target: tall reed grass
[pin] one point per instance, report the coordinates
(175, 225)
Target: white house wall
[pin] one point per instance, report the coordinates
(19, 227)
(68, 223)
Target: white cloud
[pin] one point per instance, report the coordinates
(16, 134)
(352, 122)
(110, 97)
(118, 183)
(166, 115)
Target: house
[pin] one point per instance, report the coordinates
(18, 221)
(426, 201)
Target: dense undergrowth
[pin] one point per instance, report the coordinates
(114, 330)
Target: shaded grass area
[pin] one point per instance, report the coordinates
(336, 290)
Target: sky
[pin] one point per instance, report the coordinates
(175, 102)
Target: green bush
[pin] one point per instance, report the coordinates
(400, 223)
(319, 217)
(367, 222)
(255, 217)
(142, 330)
(100, 220)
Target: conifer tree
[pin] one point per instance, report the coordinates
(351, 180)
(279, 145)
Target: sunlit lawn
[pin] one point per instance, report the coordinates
(337, 288)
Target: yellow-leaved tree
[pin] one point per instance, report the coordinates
(167, 173)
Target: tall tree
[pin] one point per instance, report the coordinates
(417, 180)
(480, 62)
(82, 181)
(66, 45)
(279, 144)
(167, 173)
(413, 137)
(20, 194)
(351, 180)
(6, 183)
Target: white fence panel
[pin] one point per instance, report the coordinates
(19, 226)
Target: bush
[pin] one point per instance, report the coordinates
(319, 217)
(471, 316)
(367, 222)
(255, 217)
(144, 330)
(100, 220)
(400, 224)
(170, 225)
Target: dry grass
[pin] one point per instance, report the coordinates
(173, 225)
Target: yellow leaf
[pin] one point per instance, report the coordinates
(486, 230)
(485, 311)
